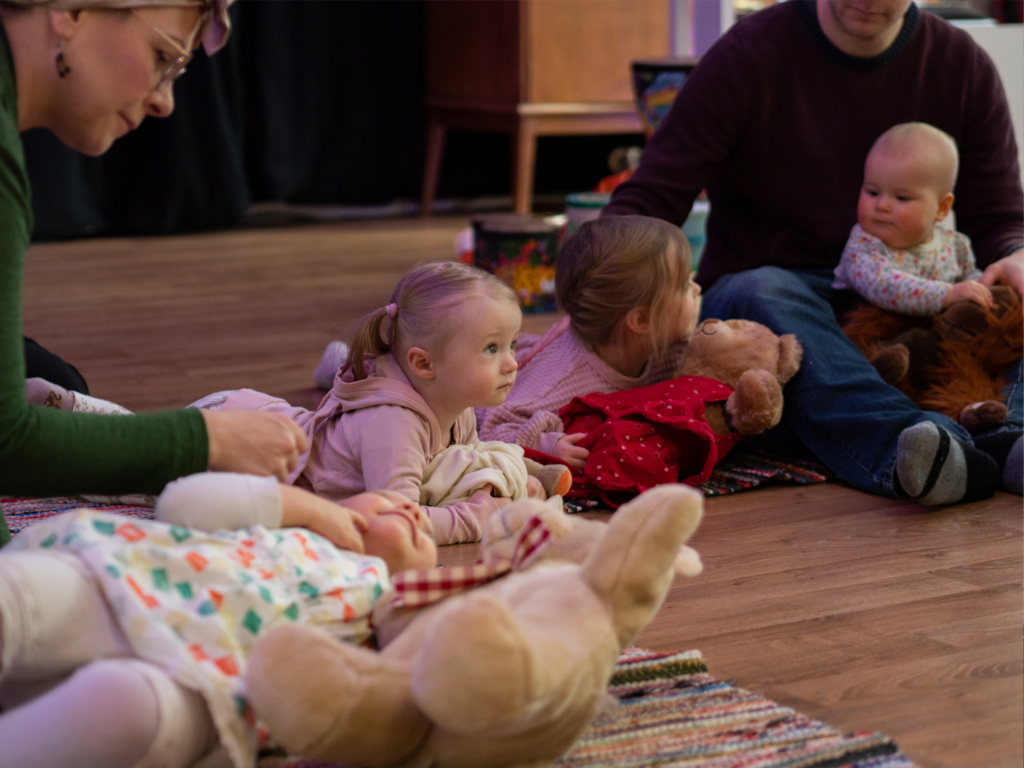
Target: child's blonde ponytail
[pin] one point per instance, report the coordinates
(367, 341)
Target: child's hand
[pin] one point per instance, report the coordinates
(341, 526)
(971, 290)
(567, 452)
(483, 496)
(534, 489)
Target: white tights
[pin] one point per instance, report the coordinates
(103, 709)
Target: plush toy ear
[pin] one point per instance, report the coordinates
(790, 355)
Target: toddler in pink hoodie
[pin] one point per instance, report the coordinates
(397, 403)
(625, 282)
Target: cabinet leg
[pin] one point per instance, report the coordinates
(524, 155)
(436, 133)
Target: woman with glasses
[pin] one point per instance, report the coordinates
(91, 71)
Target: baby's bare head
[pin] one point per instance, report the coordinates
(931, 154)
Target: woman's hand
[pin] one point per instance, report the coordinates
(1009, 269)
(341, 526)
(567, 452)
(253, 443)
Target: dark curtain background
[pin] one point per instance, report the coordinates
(312, 102)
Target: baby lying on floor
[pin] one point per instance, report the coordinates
(123, 642)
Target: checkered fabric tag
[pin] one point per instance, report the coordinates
(430, 585)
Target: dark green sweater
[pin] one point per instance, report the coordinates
(47, 452)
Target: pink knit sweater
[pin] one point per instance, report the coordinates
(561, 371)
(377, 434)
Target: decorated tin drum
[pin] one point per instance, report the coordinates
(581, 207)
(520, 250)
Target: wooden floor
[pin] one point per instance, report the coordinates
(867, 613)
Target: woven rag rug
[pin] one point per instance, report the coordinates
(743, 469)
(672, 714)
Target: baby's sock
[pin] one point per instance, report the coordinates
(90, 404)
(335, 356)
(935, 468)
(43, 393)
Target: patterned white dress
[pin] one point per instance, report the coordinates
(194, 603)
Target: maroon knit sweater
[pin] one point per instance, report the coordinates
(776, 121)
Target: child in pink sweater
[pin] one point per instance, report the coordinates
(396, 404)
(626, 284)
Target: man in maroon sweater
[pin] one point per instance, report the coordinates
(776, 122)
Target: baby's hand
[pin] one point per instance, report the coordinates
(567, 452)
(483, 496)
(534, 489)
(971, 290)
(341, 526)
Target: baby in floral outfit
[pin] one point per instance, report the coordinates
(897, 257)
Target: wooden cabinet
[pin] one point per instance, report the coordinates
(532, 68)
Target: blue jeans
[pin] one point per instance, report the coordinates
(837, 404)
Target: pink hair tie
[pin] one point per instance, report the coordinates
(391, 309)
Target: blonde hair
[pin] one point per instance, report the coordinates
(615, 264)
(424, 302)
(929, 144)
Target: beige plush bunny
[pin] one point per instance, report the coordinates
(506, 674)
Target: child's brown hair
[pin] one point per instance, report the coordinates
(422, 310)
(614, 264)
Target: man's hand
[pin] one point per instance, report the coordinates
(1009, 270)
(970, 290)
(567, 452)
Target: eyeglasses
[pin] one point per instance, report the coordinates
(170, 69)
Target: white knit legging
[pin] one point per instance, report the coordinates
(102, 708)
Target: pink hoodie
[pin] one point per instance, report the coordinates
(376, 434)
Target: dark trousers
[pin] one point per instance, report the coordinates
(41, 364)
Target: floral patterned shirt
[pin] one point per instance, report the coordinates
(911, 281)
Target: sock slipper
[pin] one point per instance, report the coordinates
(44, 394)
(935, 468)
(335, 355)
